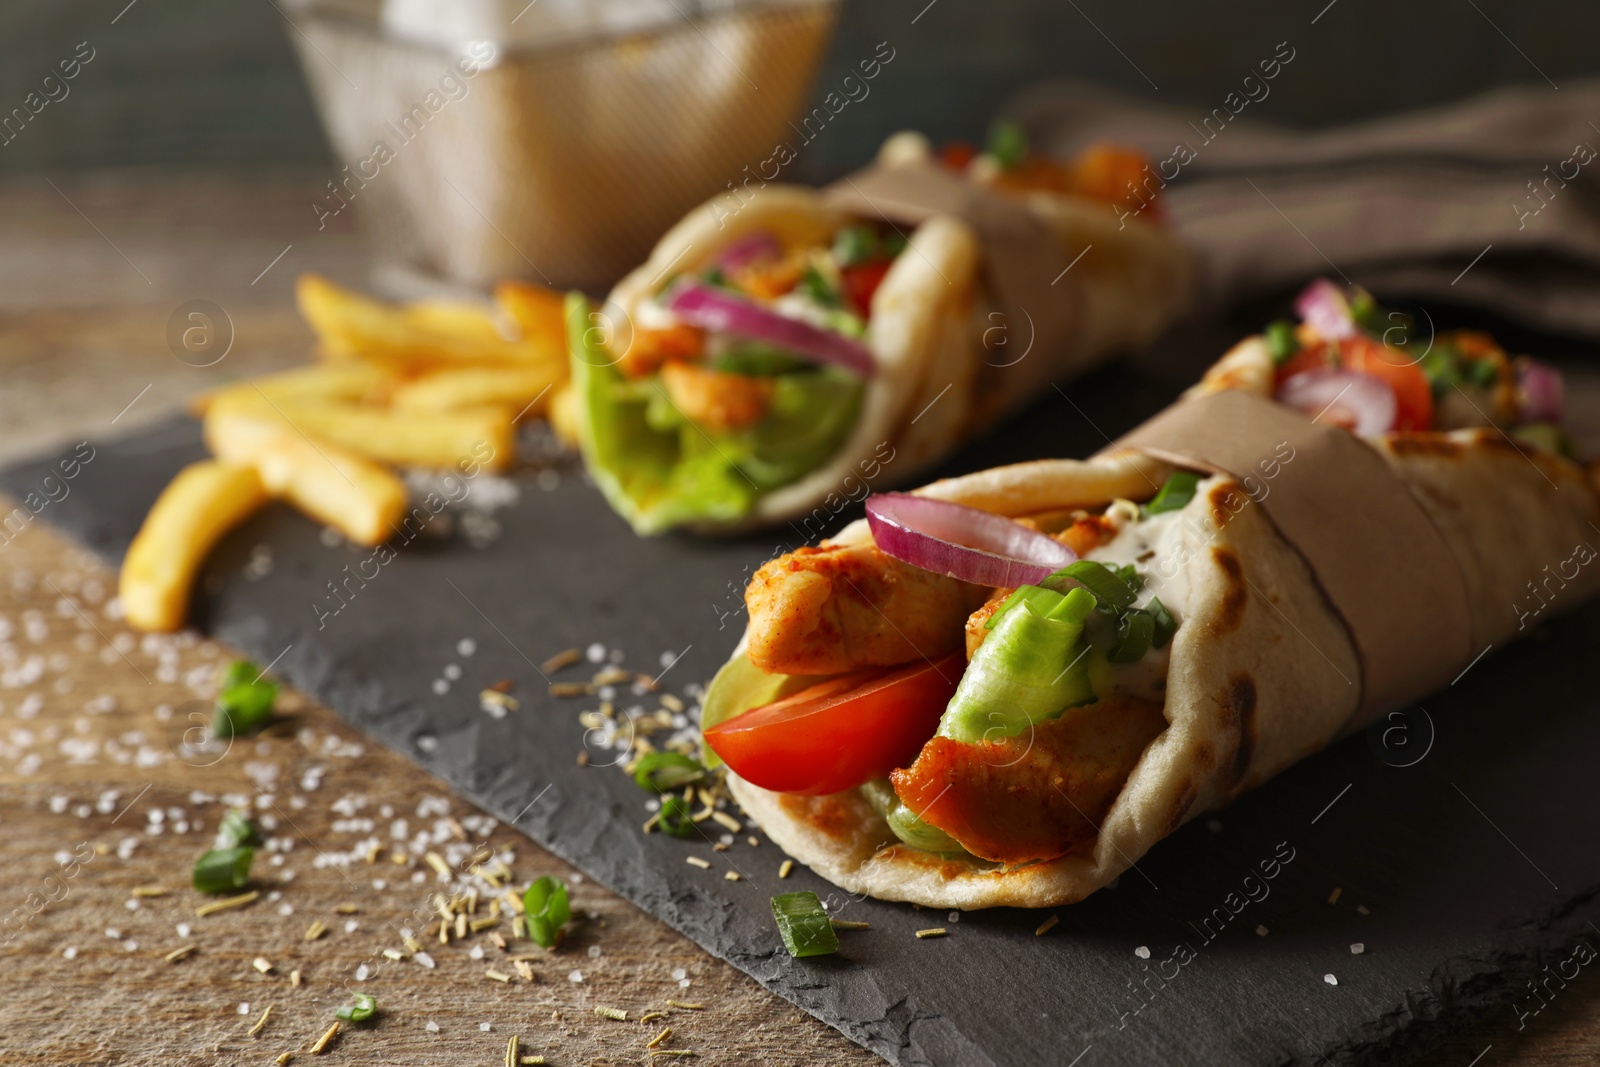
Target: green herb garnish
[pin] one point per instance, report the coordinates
(364, 1008)
(237, 830)
(545, 910)
(803, 924)
(1008, 143)
(223, 870)
(854, 244)
(1165, 624)
(1281, 341)
(675, 819)
(244, 702)
(894, 244)
(662, 772)
(1109, 589)
(1135, 632)
(815, 286)
(1175, 493)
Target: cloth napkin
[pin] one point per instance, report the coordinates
(1492, 201)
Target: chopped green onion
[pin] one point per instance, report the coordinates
(1008, 143)
(803, 925)
(223, 870)
(814, 285)
(1442, 366)
(1134, 635)
(1546, 435)
(1484, 373)
(364, 1008)
(663, 772)
(244, 702)
(854, 244)
(1281, 341)
(716, 277)
(1130, 574)
(674, 819)
(237, 830)
(1175, 493)
(894, 244)
(1166, 625)
(545, 910)
(1113, 593)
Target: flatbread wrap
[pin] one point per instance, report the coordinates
(1006, 728)
(783, 350)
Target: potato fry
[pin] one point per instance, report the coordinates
(352, 381)
(352, 326)
(563, 415)
(354, 495)
(540, 315)
(205, 501)
(437, 439)
(524, 390)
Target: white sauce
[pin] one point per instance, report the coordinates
(1154, 546)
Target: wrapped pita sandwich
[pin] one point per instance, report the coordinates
(784, 347)
(1005, 688)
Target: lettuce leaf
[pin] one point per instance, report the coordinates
(658, 470)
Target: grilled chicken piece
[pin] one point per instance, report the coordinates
(1039, 795)
(837, 608)
(716, 400)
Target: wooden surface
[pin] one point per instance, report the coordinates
(92, 723)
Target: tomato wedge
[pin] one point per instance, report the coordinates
(861, 282)
(1412, 391)
(840, 733)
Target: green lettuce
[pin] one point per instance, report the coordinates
(658, 470)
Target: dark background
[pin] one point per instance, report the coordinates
(214, 83)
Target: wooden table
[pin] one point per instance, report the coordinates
(94, 771)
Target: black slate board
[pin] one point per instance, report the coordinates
(1476, 863)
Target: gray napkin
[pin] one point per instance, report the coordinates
(1493, 201)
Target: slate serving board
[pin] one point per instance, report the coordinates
(1460, 836)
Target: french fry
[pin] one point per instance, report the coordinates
(540, 315)
(205, 501)
(352, 326)
(435, 439)
(563, 414)
(354, 495)
(524, 389)
(353, 381)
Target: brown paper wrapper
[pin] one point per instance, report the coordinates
(1022, 255)
(1375, 552)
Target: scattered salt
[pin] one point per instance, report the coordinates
(1330, 979)
(466, 647)
(1357, 949)
(1261, 930)
(575, 976)
(70, 952)
(431, 1026)
(594, 654)
(1143, 952)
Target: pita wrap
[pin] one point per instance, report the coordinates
(1277, 649)
(965, 326)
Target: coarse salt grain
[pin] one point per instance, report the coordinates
(1330, 979)
(363, 972)
(244, 1008)
(1357, 949)
(425, 960)
(575, 976)
(595, 652)
(485, 1027)
(431, 1026)
(466, 647)
(683, 983)
(679, 974)
(184, 929)
(1143, 952)
(70, 952)
(1261, 931)
(452, 671)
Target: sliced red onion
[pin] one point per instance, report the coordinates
(1365, 399)
(752, 246)
(724, 312)
(1541, 391)
(1323, 307)
(961, 542)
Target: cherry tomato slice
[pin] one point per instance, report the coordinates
(840, 733)
(1412, 391)
(861, 282)
(957, 154)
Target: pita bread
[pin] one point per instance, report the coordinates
(1263, 670)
